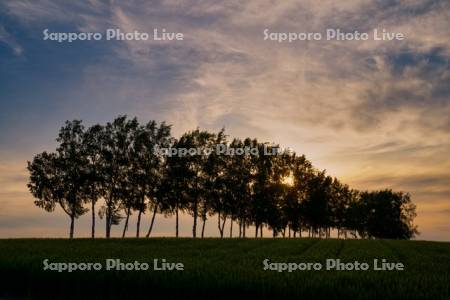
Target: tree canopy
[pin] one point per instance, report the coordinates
(133, 168)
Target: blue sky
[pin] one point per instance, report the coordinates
(375, 114)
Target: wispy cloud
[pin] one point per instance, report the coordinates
(9, 40)
(367, 111)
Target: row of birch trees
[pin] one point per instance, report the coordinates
(120, 168)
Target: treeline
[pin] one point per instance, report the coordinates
(124, 167)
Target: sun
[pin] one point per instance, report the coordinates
(288, 180)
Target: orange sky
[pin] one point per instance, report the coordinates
(373, 113)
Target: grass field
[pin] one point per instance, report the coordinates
(215, 268)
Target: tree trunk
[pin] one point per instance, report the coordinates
(153, 221)
(194, 227)
(108, 217)
(108, 222)
(223, 225)
(125, 227)
(176, 221)
(218, 225)
(106, 227)
(295, 234)
(240, 229)
(256, 230)
(93, 219)
(243, 228)
(289, 228)
(138, 224)
(231, 228)
(203, 226)
(72, 225)
(261, 230)
(141, 209)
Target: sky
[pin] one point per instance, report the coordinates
(375, 114)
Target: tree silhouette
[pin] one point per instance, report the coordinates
(172, 191)
(387, 214)
(150, 166)
(92, 139)
(218, 191)
(120, 163)
(115, 168)
(192, 168)
(239, 178)
(59, 177)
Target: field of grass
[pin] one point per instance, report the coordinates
(215, 268)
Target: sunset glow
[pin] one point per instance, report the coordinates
(374, 113)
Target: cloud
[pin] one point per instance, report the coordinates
(372, 112)
(427, 182)
(222, 73)
(45, 11)
(6, 38)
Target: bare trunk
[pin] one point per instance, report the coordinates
(261, 231)
(138, 225)
(72, 225)
(218, 225)
(231, 228)
(93, 219)
(108, 222)
(289, 228)
(243, 228)
(125, 227)
(107, 227)
(194, 227)
(240, 229)
(203, 226)
(152, 222)
(176, 221)
(223, 225)
(256, 230)
(108, 217)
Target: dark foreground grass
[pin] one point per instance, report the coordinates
(227, 268)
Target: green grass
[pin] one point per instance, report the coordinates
(216, 268)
